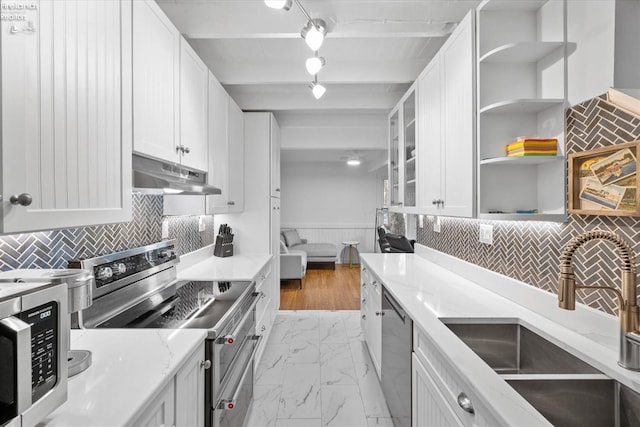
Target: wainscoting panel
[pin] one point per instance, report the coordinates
(336, 234)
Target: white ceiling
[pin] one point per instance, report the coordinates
(374, 49)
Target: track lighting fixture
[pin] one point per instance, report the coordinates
(314, 33)
(317, 89)
(315, 64)
(279, 4)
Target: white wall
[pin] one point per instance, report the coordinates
(605, 52)
(590, 25)
(333, 197)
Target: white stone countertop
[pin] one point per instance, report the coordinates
(202, 265)
(130, 367)
(430, 292)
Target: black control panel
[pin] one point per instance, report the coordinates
(44, 347)
(113, 271)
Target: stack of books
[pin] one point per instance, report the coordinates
(533, 147)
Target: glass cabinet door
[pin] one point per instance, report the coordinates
(394, 158)
(409, 123)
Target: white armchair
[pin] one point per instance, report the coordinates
(293, 265)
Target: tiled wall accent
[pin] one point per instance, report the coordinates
(530, 251)
(52, 249)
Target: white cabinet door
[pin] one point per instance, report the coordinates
(458, 150)
(428, 406)
(275, 249)
(430, 137)
(66, 116)
(218, 136)
(161, 412)
(374, 339)
(226, 150)
(275, 158)
(193, 108)
(236, 158)
(190, 391)
(156, 73)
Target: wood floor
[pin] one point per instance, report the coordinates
(337, 289)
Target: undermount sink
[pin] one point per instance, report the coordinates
(581, 402)
(563, 388)
(510, 348)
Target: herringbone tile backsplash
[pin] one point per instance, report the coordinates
(530, 251)
(53, 249)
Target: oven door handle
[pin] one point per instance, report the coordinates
(230, 404)
(20, 331)
(231, 338)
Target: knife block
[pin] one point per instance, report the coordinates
(224, 246)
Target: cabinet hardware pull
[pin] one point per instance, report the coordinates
(379, 313)
(364, 284)
(364, 317)
(23, 199)
(231, 203)
(205, 364)
(465, 403)
(434, 202)
(364, 300)
(186, 150)
(263, 328)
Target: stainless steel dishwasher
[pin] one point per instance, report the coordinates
(397, 337)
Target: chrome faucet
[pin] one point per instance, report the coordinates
(627, 299)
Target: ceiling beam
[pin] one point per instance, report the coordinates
(341, 72)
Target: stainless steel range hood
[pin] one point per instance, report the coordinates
(151, 175)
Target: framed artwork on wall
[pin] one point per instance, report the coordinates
(605, 181)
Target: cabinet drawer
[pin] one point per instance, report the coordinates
(449, 382)
(262, 276)
(263, 305)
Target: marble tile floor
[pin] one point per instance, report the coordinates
(316, 372)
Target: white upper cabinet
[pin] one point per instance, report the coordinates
(430, 140)
(403, 154)
(236, 158)
(226, 150)
(170, 91)
(193, 108)
(458, 98)
(446, 127)
(274, 154)
(66, 116)
(156, 84)
(522, 86)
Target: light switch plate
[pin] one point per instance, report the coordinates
(165, 229)
(436, 224)
(201, 224)
(486, 234)
(421, 221)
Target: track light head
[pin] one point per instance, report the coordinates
(279, 4)
(314, 33)
(317, 89)
(315, 64)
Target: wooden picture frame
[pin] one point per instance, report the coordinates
(605, 181)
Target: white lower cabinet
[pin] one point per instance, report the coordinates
(370, 314)
(428, 406)
(190, 391)
(439, 391)
(181, 402)
(161, 412)
(266, 308)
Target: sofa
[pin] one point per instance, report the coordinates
(325, 253)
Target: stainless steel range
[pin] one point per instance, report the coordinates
(137, 288)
